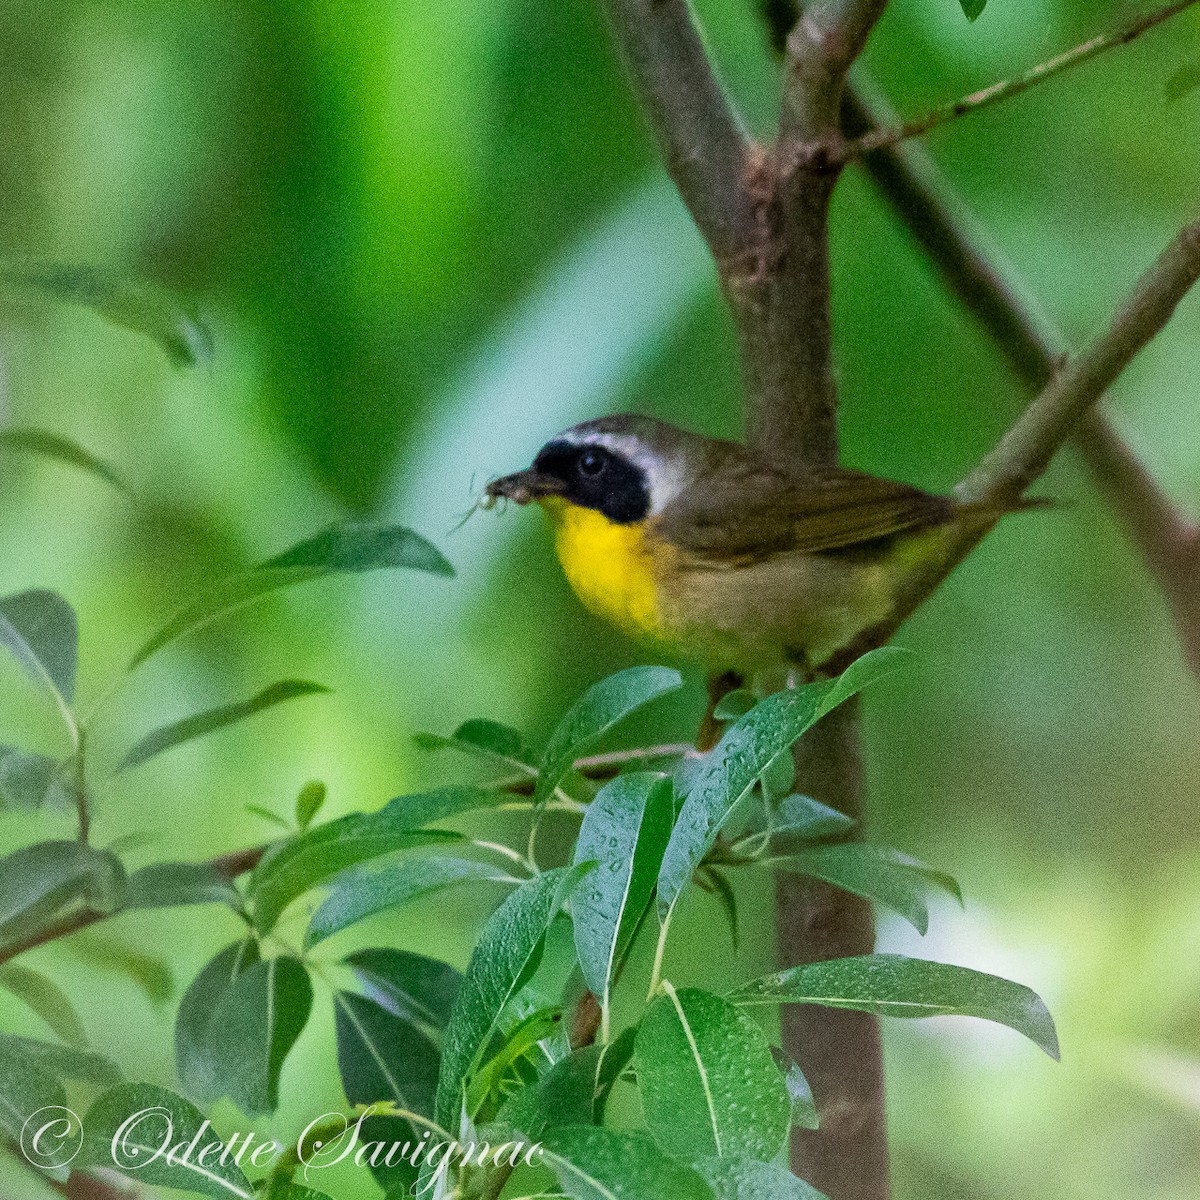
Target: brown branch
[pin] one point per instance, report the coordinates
(878, 138)
(822, 47)
(959, 248)
(783, 313)
(84, 1185)
(703, 143)
(840, 1052)
(1025, 451)
(781, 297)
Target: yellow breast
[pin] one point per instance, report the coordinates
(608, 565)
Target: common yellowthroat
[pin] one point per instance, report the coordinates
(707, 549)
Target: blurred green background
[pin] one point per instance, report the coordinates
(426, 236)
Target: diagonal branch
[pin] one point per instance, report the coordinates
(703, 144)
(958, 247)
(878, 138)
(1025, 451)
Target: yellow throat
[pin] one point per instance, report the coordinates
(608, 565)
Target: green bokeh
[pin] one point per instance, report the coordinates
(429, 235)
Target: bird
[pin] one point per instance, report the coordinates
(709, 551)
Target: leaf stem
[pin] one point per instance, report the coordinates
(659, 952)
(509, 853)
(79, 789)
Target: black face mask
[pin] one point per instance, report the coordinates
(595, 477)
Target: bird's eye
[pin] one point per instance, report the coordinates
(591, 462)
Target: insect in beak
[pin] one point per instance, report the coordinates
(522, 487)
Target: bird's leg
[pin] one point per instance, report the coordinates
(719, 686)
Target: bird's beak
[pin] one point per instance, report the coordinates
(524, 486)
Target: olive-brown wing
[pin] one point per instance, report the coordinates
(733, 517)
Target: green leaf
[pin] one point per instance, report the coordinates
(734, 704)
(63, 1062)
(497, 744)
(745, 1179)
(39, 629)
(600, 708)
(730, 771)
(512, 1062)
(506, 955)
(591, 1163)
(868, 872)
(618, 1054)
(419, 989)
(563, 1095)
(343, 549)
(26, 780)
(60, 449)
(293, 866)
(808, 820)
(133, 304)
(256, 1023)
(624, 831)
(267, 815)
(382, 1057)
(27, 1088)
(804, 1107)
(43, 883)
(194, 1032)
(708, 1082)
(173, 884)
(46, 999)
(362, 547)
(138, 1148)
(891, 985)
(778, 778)
(190, 728)
(309, 803)
(877, 873)
(108, 953)
(365, 891)
(1183, 82)
(973, 8)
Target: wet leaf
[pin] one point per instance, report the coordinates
(708, 1082)
(624, 831)
(598, 710)
(892, 985)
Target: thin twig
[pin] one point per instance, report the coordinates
(878, 138)
(703, 143)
